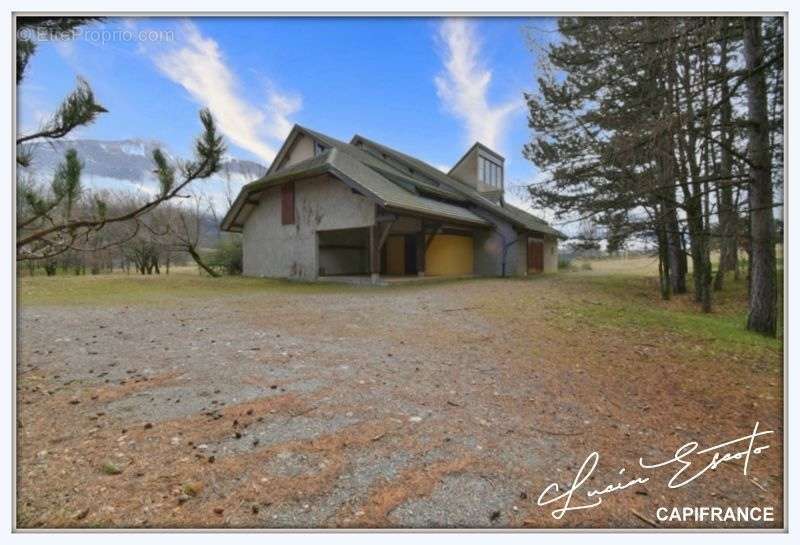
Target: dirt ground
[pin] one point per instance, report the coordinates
(441, 405)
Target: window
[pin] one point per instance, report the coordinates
(287, 203)
(319, 148)
(489, 172)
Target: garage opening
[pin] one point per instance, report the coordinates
(343, 252)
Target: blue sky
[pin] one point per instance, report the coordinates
(426, 86)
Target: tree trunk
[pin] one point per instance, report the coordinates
(671, 256)
(762, 313)
(200, 263)
(728, 255)
(664, 272)
(677, 253)
(689, 172)
(701, 265)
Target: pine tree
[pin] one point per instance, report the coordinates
(56, 219)
(634, 125)
(762, 315)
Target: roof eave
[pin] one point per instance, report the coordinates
(549, 231)
(440, 217)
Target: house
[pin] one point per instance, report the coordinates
(327, 208)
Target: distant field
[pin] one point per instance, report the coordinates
(638, 265)
(646, 265)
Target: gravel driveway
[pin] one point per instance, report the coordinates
(448, 405)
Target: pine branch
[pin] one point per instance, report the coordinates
(209, 152)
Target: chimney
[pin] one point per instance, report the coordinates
(482, 169)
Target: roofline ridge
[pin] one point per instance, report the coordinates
(453, 184)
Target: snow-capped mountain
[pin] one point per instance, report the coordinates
(124, 160)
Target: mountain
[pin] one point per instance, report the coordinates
(125, 160)
(127, 165)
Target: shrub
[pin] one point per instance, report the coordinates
(50, 267)
(227, 256)
(564, 262)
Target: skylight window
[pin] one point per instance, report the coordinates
(489, 172)
(319, 149)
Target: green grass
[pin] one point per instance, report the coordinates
(133, 289)
(123, 289)
(633, 302)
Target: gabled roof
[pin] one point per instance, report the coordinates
(385, 169)
(510, 213)
(404, 184)
(339, 162)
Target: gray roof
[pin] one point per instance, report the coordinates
(418, 188)
(509, 212)
(385, 169)
(529, 221)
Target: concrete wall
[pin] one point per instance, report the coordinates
(302, 149)
(489, 249)
(550, 254)
(291, 251)
(489, 244)
(467, 170)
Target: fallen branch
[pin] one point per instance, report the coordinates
(644, 518)
(758, 484)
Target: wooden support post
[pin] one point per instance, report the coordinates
(374, 254)
(378, 233)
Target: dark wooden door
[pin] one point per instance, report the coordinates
(410, 248)
(535, 255)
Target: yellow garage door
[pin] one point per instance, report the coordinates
(449, 255)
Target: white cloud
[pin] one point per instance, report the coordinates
(197, 64)
(281, 107)
(463, 86)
